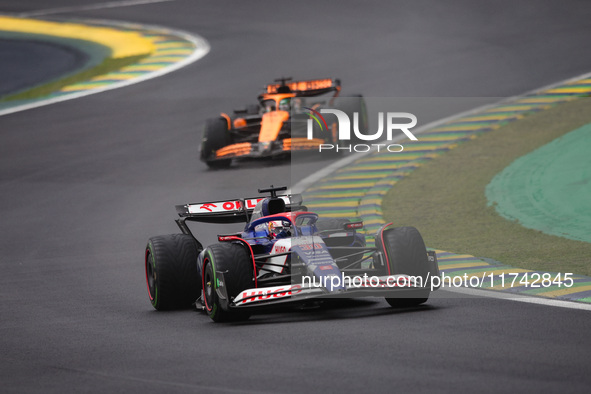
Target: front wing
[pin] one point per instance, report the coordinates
(382, 286)
(267, 149)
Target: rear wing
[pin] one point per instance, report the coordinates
(312, 87)
(231, 211)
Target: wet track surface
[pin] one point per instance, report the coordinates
(38, 62)
(84, 183)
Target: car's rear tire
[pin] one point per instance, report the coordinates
(171, 271)
(407, 254)
(236, 263)
(215, 137)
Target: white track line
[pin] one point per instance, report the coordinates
(201, 45)
(111, 4)
(519, 298)
(309, 180)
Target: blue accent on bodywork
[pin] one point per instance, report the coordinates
(319, 263)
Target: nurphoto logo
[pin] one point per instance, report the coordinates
(344, 140)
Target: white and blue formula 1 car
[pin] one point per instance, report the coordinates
(285, 254)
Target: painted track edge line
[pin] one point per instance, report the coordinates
(304, 183)
(519, 298)
(202, 48)
(90, 7)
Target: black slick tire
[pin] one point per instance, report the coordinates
(215, 137)
(171, 271)
(234, 260)
(406, 252)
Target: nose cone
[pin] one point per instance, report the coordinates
(271, 125)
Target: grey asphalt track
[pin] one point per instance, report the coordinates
(37, 62)
(84, 183)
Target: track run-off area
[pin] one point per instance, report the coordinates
(548, 189)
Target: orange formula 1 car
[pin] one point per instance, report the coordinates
(277, 125)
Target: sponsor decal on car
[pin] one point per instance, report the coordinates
(268, 293)
(228, 206)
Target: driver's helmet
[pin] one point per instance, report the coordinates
(279, 228)
(269, 105)
(284, 104)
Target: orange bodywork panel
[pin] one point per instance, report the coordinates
(301, 143)
(234, 150)
(239, 123)
(278, 97)
(271, 125)
(228, 121)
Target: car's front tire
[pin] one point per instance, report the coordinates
(235, 261)
(215, 137)
(407, 254)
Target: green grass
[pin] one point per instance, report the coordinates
(108, 65)
(445, 199)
